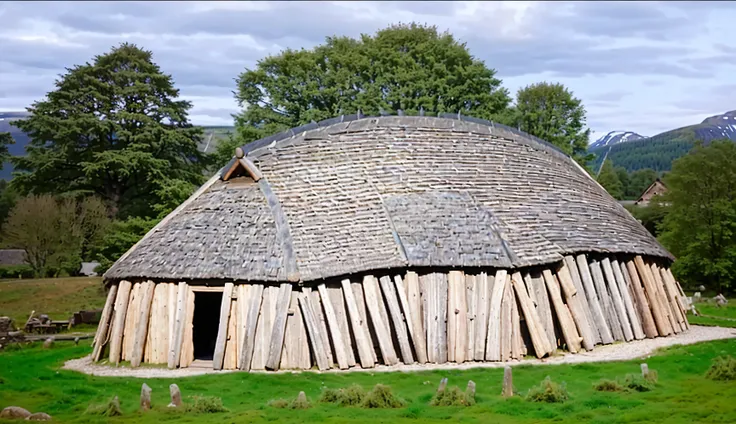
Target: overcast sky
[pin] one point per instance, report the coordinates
(644, 67)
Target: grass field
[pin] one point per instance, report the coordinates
(710, 314)
(59, 298)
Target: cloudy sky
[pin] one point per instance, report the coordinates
(645, 67)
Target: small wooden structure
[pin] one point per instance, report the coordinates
(367, 241)
(655, 189)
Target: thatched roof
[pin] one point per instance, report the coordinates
(350, 195)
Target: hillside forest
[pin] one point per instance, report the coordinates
(88, 189)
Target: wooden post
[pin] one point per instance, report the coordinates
(470, 292)
(279, 327)
(538, 292)
(482, 297)
(582, 298)
(411, 312)
(372, 297)
(219, 355)
(600, 286)
(441, 283)
(334, 329)
(628, 303)
(141, 330)
(230, 357)
(121, 307)
(567, 325)
(315, 337)
(596, 309)
(575, 303)
(178, 336)
(389, 292)
(362, 338)
(508, 382)
(663, 296)
(187, 342)
(647, 319)
(104, 325)
(534, 324)
(506, 320)
(337, 300)
(456, 317)
(316, 303)
(618, 303)
(493, 345)
(255, 296)
(679, 303)
(660, 319)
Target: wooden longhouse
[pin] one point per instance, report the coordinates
(369, 241)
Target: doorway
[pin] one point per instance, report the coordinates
(205, 324)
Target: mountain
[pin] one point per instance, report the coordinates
(212, 136)
(615, 137)
(659, 151)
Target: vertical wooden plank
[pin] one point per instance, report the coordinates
(583, 299)
(131, 319)
(618, 304)
(296, 344)
(156, 349)
(536, 285)
(315, 337)
(230, 361)
(319, 314)
(399, 325)
(187, 346)
(452, 318)
(416, 339)
(668, 307)
(333, 328)
(264, 327)
(567, 325)
(360, 302)
(457, 316)
(105, 323)
(442, 287)
(428, 289)
(575, 304)
(678, 304)
(493, 345)
(222, 330)
(647, 319)
(178, 335)
(470, 291)
(660, 319)
(372, 299)
(276, 342)
(623, 288)
(359, 327)
(602, 291)
(482, 301)
(506, 322)
(255, 298)
(540, 341)
(121, 307)
(242, 313)
(516, 342)
(596, 308)
(338, 306)
(414, 301)
(172, 298)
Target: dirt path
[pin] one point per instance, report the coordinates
(614, 352)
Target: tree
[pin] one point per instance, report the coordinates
(550, 112)
(700, 227)
(640, 180)
(623, 176)
(405, 67)
(113, 128)
(5, 140)
(54, 233)
(609, 180)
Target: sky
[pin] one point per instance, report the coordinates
(640, 66)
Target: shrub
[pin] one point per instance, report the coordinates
(548, 391)
(722, 369)
(329, 395)
(381, 397)
(606, 385)
(206, 405)
(638, 383)
(652, 376)
(301, 402)
(452, 397)
(278, 403)
(15, 271)
(350, 396)
(109, 409)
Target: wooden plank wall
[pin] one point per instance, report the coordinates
(401, 318)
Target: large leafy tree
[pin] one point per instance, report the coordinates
(405, 67)
(700, 226)
(551, 112)
(639, 181)
(113, 128)
(609, 179)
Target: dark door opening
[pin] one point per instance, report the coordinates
(206, 322)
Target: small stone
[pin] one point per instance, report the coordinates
(470, 390)
(508, 383)
(701, 288)
(76, 341)
(48, 343)
(175, 396)
(14, 412)
(301, 398)
(39, 416)
(145, 397)
(443, 384)
(644, 370)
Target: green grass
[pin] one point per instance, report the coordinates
(30, 377)
(712, 315)
(59, 298)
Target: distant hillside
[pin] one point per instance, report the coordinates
(212, 136)
(615, 137)
(658, 152)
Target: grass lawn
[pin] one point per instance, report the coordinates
(59, 298)
(30, 377)
(713, 315)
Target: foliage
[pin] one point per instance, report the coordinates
(657, 152)
(650, 216)
(5, 140)
(453, 396)
(722, 369)
(115, 129)
(54, 232)
(639, 181)
(381, 396)
(548, 391)
(405, 66)
(350, 396)
(8, 197)
(121, 236)
(15, 271)
(610, 181)
(700, 226)
(638, 383)
(606, 385)
(300, 403)
(206, 405)
(551, 112)
(110, 408)
(278, 403)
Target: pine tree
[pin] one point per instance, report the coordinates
(609, 180)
